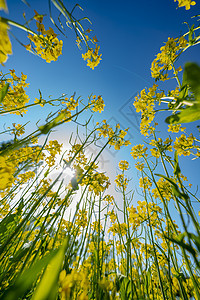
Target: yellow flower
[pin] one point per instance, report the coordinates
(3, 5)
(81, 218)
(163, 190)
(98, 104)
(92, 57)
(165, 59)
(144, 103)
(5, 44)
(174, 128)
(123, 165)
(16, 97)
(184, 145)
(145, 183)
(121, 181)
(186, 3)
(120, 229)
(6, 173)
(47, 45)
(138, 151)
(139, 166)
(155, 152)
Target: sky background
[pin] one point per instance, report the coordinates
(130, 34)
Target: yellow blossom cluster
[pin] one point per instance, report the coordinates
(16, 97)
(119, 228)
(138, 151)
(97, 104)
(31, 154)
(6, 173)
(47, 45)
(143, 211)
(123, 165)
(5, 44)
(112, 215)
(164, 60)
(17, 130)
(175, 128)
(184, 145)
(116, 138)
(74, 284)
(97, 182)
(81, 218)
(53, 148)
(144, 103)
(3, 5)
(186, 3)
(163, 190)
(25, 177)
(109, 199)
(86, 173)
(71, 103)
(139, 166)
(92, 57)
(121, 181)
(145, 183)
(160, 146)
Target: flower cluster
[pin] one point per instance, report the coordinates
(86, 172)
(97, 104)
(17, 130)
(119, 228)
(5, 44)
(121, 181)
(47, 45)
(175, 128)
(97, 182)
(138, 151)
(116, 138)
(164, 60)
(53, 148)
(6, 173)
(144, 103)
(72, 284)
(16, 97)
(81, 218)
(184, 145)
(92, 57)
(160, 146)
(71, 103)
(123, 165)
(145, 183)
(186, 3)
(163, 190)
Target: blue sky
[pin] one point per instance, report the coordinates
(130, 34)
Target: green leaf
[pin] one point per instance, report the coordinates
(190, 36)
(177, 169)
(48, 283)
(189, 114)
(6, 221)
(26, 280)
(3, 92)
(196, 240)
(191, 76)
(191, 79)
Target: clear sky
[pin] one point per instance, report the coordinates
(130, 34)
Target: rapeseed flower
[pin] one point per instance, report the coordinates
(186, 3)
(5, 44)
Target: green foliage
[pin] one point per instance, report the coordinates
(191, 81)
(4, 91)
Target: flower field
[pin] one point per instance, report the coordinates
(73, 240)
